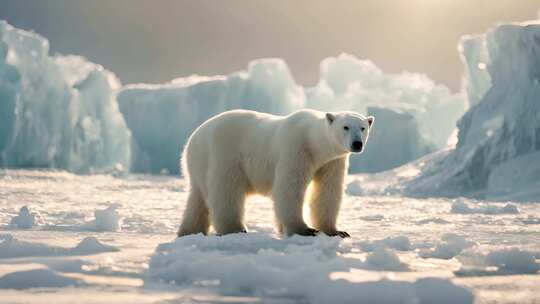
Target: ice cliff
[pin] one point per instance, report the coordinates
(65, 112)
(498, 151)
(57, 111)
(161, 117)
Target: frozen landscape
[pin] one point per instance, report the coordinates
(402, 250)
(456, 219)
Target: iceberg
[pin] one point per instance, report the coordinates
(57, 111)
(498, 151)
(66, 112)
(161, 117)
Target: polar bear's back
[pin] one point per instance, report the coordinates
(249, 139)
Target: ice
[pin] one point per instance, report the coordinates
(401, 243)
(422, 114)
(36, 278)
(57, 111)
(255, 264)
(378, 154)
(162, 117)
(509, 261)
(24, 220)
(498, 150)
(462, 207)
(382, 258)
(107, 219)
(513, 261)
(451, 246)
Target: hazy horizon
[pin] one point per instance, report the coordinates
(142, 42)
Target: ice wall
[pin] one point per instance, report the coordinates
(499, 137)
(58, 111)
(390, 146)
(161, 117)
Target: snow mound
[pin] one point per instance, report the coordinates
(24, 220)
(400, 243)
(382, 258)
(37, 278)
(13, 248)
(513, 261)
(451, 246)
(460, 207)
(499, 262)
(498, 151)
(91, 245)
(57, 111)
(297, 267)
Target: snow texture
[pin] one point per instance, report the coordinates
(10, 247)
(36, 278)
(462, 208)
(259, 265)
(390, 258)
(24, 220)
(57, 111)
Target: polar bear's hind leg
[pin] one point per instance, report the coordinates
(196, 218)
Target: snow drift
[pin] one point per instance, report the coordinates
(498, 151)
(57, 111)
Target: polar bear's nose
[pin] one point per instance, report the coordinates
(356, 146)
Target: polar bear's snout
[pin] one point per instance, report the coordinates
(357, 146)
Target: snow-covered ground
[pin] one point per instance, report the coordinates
(107, 239)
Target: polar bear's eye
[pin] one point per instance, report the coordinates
(363, 129)
(346, 128)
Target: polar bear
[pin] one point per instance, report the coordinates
(238, 153)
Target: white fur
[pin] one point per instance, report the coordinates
(239, 152)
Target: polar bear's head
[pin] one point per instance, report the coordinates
(351, 130)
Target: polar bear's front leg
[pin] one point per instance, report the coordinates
(290, 184)
(325, 196)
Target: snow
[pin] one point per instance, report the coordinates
(391, 259)
(12, 248)
(451, 245)
(513, 261)
(24, 220)
(161, 117)
(57, 111)
(34, 279)
(91, 245)
(461, 207)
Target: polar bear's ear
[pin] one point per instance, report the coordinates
(330, 117)
(370, 120)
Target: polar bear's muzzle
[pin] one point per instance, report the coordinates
(357, 146)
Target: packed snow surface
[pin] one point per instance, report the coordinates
(402, 250)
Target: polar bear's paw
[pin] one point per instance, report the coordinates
(307, 232)
(341, 234)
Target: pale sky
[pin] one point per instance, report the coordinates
(156, 41)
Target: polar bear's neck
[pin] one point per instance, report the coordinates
(328, 151)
